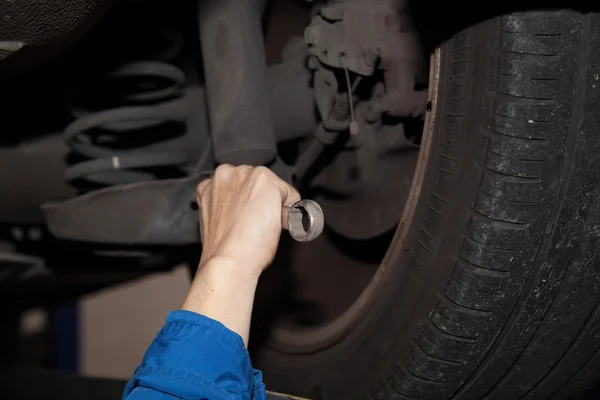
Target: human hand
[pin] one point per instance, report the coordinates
(240, 214)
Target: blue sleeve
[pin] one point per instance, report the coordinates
(195, 357)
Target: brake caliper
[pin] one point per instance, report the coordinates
(368, 66)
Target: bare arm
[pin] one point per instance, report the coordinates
(240, 226)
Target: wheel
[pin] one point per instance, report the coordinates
(489, 288)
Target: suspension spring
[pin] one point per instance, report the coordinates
(131, 139)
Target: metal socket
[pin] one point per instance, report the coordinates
(304, 220)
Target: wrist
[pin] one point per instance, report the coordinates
(223, 289)
(229, 267)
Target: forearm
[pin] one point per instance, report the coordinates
(224, 291)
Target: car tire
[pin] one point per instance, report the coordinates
(490, 288)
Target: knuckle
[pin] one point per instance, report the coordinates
(294, 193)
(223, 171)
(200, 187)
(261, 173)
(224, 168)
(243, 171)
(262, 180)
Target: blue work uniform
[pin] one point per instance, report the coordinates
(195, 357)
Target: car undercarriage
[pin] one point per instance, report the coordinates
(453, 158)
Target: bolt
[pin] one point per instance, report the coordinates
(404, 104)
(34, 234)
(373, 111)
(370, 56)
(311, 35)
(313, 63)
(332, 13)
(341, 108)
(378, 90)
(17, 233)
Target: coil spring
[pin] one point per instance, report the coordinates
(125, 144)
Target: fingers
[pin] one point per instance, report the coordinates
(201, 186)
(223, 173)
(200, 191)
(289, 195)
(226, 172)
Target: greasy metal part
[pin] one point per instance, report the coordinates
(327, 42)
(365, 56)
(111, 167)
(350, 183)
(362, 191)
(33, 31)
(358, 34)
(136, 140)
(325, 87)
(369, 180)
(146, 213)
(364, 37)
(307, 160)
(325, 138)
(155, 213)
(303, 341)
(236, 81)
(304, 220)
(401, 99)
(293, 116)
(43, 161)
(291, 100)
